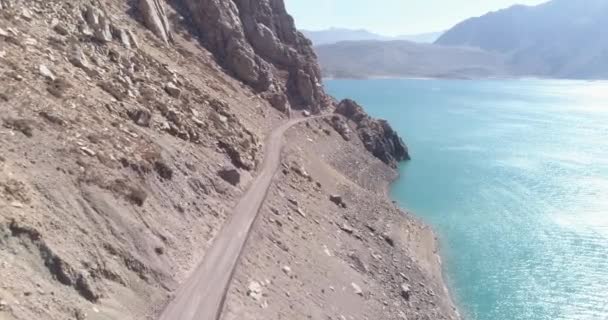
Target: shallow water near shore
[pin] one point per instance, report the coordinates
(513, 176)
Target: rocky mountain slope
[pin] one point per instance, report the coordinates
(129, 129)
(560, 38)
(364, 59)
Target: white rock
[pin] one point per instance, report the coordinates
(356, 289)
(46, 72)
(30, 42)
(173, 90)
(88, 151)
(326, 250)
(255, 290)
(26, 14)
(300, 212)
(17, 204)
(287, 270)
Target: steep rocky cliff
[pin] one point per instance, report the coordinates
(258, 43)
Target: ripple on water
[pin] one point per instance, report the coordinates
(514, 177)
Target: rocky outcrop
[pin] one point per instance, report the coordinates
(340, 126)
(155, 18)
(258, 43)
(377, 135)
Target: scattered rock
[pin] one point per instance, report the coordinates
(155, 18)
(30, 42)
(254, 290)
(337, 199)
(173, 90)
(17, 204)
(92, 15)
(80, 315)
(346, 228)
(59, 27)
(133, 39)
(78, 59)
(389, 239)
(59, 87)
(230, 175)
(306, 113)
(123, 37)
(3, 305)
(299, 169)
(132, 192)
(46, 72)
(358, 263)
(287, 270)
(52, 117)
(24, 126)
(26, 14)
(301, 213)
(88, 151)
(102, 31)
(406, 291)
(163, 170)
(113, 89)
(356, 289)
(141, 117)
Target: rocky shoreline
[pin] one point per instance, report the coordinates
(129, 132)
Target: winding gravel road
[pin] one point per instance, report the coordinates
(201, 297)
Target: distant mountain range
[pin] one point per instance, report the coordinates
(334, 35)
(373, 58)
(558, 39)
(561, 38)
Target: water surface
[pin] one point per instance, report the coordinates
(513, 175)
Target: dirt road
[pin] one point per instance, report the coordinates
(201, 296)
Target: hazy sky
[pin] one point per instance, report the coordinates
(392, 17)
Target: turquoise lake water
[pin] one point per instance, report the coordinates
(513, 176)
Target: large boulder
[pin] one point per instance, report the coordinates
(377, 135)
(230, 175)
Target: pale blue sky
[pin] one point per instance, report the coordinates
(392, 17)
